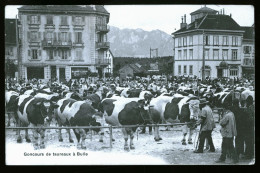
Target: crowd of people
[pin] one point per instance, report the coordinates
(237, 124)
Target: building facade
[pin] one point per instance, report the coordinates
(109, 68)
(63, 41)
(11, 48)
(248, 54)
(211, 36)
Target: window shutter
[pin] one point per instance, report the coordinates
(28, 19)
(39, 18)
(250, 49)
(28, 35)
(76, 37)
(39, 36)
(80, 37)
(59, 53)
(73, 20)
(80, 54)
(69, 36)
(69, 53)
(40, 53)
(55, 53)
(55, 36)
(83, 20)
(59, 36)
(29, 53)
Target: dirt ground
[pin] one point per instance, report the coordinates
(168, 151)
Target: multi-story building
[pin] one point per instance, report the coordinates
(60, 41)
(109, 68)
(214, 36)
(11, 47)
(248, 53)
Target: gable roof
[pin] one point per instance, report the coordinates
(10, 31)
(204, 10)
(64, 8)
(210, 21)
(249, 32)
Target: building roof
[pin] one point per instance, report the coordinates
(216, 22)
(10, 31)
(63, 8)
(135, 68)
(249, 32)
(204, 10)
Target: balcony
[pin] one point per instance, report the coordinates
(49, 26)
(78, 44)
(78, 26)
(102, 45)
(102, 62)
(66, 27)
(248, 62)
(102, 28)
(34, 26)
(34, 43)
(55, 43)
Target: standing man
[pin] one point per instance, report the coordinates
(228, 132)
(207, 125)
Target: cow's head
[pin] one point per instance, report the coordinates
(143, 110)
(194, 108)
(46, 109)
(148, 97)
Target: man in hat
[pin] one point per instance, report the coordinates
(228, 132)
(207, 125)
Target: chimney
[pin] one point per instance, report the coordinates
(183, 24)
(223, 11)
(230, 15)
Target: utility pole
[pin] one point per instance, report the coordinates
(203, 58)
(18, 49)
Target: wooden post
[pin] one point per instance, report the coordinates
(110, 136)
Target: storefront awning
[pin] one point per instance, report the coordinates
(34, 64)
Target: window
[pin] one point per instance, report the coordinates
(234, 54)
(78, 20)
(50, 54)
(191, 54)
(79, 54)
(179, 69)
(225, 54)
(191, 40)
(206, 54)
(215, 40)
(64, 36)
(64, 54)
(185, 54)
(49, 35)
(9, 51)
(207, 40)
(184, 41)
(191, 70)
(179, 54)
(34, 36)
(49, 20)
(34, 54)
(247, 49)
(100, 38)
(225, 40)
(179, 42)
(34, 19)
(215, 54)
(64, 20)
(234, 41)
(233, 72)
(185, 69)
(78, 37)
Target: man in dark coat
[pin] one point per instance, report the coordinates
(250, 129)
(239, 114)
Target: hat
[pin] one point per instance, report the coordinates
(203, 101)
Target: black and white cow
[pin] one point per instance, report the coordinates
(76, 113)
(125, 111)
(11, 98)
(34, 111)
(173, 109)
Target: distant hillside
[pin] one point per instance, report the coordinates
(137, 42)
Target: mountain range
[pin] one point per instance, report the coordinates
(137, 42)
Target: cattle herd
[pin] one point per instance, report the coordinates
(115, 105)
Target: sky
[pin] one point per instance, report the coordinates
(166, 18)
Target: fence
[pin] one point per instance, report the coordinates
(96, 127)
